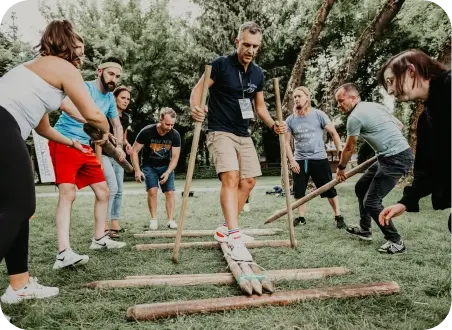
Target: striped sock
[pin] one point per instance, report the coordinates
(235, 232)
(225, 224)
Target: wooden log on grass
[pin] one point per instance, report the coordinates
(235, 269)
(191, 166)
(251, 277)
(266, 282)
(108, 147)
(212, 244)
(284, 167)
(220, 278)
(322, 189)
(202, 233)
(148, 312)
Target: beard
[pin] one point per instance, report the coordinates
(110, 86)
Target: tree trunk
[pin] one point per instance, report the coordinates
(349, 66)
(296, 76)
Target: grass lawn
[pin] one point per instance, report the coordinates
(423, 273)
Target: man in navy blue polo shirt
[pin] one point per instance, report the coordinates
(235, 94)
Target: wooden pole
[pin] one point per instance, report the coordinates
(108, 147)
(201, 233)
(266, 281)
(212, 244)
(285, 170)
(252, 278)
(278, 214)
(157, 311)
(191, 166)
(236, 271)
(219, 278)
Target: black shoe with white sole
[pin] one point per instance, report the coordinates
(392, 248)
(298, 221)
(356, 231)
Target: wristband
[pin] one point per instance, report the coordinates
(341, 167)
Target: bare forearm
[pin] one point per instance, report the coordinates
(53, 135)
(289, 153)
(98, 153)
(195, 97)
(264, 115)
(119, 134)
(346, 155)
(173, 164)
(337, 142)
(135, 161)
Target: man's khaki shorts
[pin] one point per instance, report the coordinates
(230, 152)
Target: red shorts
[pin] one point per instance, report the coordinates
(73, 166)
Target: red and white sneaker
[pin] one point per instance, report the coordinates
(239, 252)
(221, 235)
(32, 290)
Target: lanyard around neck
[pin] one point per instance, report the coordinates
(241, 83)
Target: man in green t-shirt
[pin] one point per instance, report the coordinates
(374, 123)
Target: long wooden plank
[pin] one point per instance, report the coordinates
(108, 147)
(252, 278)
(212, 244)
(266, 281)
(219, 278)
(191, 165)
(202, 233)
(169, 309)
(284, 167)
(236, 271)
(278, 214)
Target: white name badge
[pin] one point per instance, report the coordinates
(246, 108)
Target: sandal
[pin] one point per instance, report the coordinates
(114, 233)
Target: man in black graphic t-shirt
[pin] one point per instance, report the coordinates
(161, 148)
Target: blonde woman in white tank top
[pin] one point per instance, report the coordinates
(28, 93)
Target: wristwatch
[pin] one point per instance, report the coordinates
(341, 167)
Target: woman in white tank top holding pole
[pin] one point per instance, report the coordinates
(28, 93)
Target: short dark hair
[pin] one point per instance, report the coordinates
(250, 26)
(113, 59)
(120, 89)
(347, 87)
(60, 39)
(426, 68)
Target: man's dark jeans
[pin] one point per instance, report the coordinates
(375, 184)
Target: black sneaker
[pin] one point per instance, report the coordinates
(299, 220)
(356, 231)
(392, 248)
(340, 223)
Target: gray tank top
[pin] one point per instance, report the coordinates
(27, 97)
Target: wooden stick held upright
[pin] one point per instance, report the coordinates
(285, 170)
(322, 189)
(191, 166)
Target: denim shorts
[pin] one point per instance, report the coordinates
(153, 174)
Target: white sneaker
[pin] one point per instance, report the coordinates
(239, 252)
(222, 234)
(69, 258)
(32, 290)
(172, 224)
(153, 224)
(246, 208)
(106, 243)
